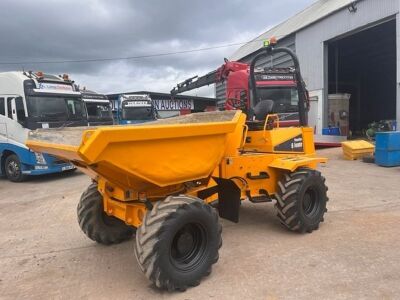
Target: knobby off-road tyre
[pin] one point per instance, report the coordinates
(96, 224)
(301, 200)
(178, 242)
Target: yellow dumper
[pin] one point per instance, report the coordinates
(163, 180)
(158, 178)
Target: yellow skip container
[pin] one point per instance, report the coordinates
(184, 149)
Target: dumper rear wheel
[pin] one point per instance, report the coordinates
(178, 242)
(301, 200)
(96, 224)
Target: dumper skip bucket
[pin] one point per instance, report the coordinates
(160, 153)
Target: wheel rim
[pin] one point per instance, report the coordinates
(310, 203)
(188, 247)
(13, 169)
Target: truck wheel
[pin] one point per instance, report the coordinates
(96, 224)
(13, 169)
(301, 200)
(178, 242)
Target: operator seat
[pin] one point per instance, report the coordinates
(259, 113)
(263, 109)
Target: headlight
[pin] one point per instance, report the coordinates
(40, 158)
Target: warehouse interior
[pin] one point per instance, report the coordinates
(363, 64)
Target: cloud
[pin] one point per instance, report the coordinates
(71, 29)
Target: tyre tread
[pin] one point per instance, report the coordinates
(88, 210)
(286, 196)
(147, 238)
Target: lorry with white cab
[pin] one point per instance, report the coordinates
(29, 101)
(135, 108)
(98, 107)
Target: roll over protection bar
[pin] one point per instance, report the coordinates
(268, 51)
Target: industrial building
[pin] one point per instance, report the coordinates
(168, 106)
(344, 47)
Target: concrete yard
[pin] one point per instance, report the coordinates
(355, 253)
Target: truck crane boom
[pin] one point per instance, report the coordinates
(216, 76)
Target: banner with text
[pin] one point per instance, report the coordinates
(173, 104)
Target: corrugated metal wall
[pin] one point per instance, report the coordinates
(280, 61)
(311, 41)
(220, 91)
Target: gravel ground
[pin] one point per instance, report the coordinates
(354, 254)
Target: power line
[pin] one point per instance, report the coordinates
(129, 57)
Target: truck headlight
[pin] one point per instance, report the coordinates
(40, 158)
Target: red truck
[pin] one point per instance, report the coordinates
(282, 85)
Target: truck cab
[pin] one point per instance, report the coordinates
(135, 108)
(276, 84)
(29, 101)
(98, 107)
(243, 90)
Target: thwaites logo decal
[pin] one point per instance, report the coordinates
(293, 145)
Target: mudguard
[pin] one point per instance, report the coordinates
(293, 163)
(228, 199)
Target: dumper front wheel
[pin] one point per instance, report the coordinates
(96, 224)
(301, 200)
(178, 242)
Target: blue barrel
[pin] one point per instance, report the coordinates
(387, 150)
(331, 131)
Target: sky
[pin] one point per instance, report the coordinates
(62, 30)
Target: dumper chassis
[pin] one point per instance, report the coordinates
(162, 180)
